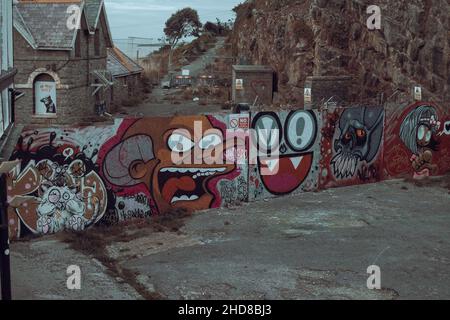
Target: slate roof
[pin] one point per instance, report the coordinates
(120, 65)
(92, 9)
(43, 23)
(46, 23)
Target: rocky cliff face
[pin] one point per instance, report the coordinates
(300, 38)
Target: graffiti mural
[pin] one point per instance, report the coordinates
(75, 178)
(71, 179)
(140, 158)
(351, 146)
(417, 142)
(294, 134)
(58, 180)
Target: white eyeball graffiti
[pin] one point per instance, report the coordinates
(301, 130)
(447, 128)
(268, 129)
(180, 143)
(211, 141)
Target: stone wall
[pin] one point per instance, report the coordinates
(330, 38)
(126, 90)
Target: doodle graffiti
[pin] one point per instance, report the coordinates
(60, 185)
(358, 140)
(418, 132)
(292, 142)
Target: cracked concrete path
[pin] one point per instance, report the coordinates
(312, 246)
(309, 246)
(39, 272)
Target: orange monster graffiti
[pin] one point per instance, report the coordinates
(143, 156)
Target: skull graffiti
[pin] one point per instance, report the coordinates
(359, 139)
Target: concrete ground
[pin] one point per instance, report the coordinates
(310, 246)
(39, 272)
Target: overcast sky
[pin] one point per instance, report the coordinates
(146, 18)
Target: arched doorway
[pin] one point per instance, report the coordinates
(44, 95)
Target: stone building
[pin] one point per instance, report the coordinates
(7, 70)
(60, 50)
(253, 84)
(126, 77)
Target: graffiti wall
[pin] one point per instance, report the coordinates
(72, 179)
(417, 141)
(351, 146)
(297, 167)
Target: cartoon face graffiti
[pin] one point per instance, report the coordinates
(358, 140)
(285, 172)
(418, 132)
(145, 156)
(61, 208)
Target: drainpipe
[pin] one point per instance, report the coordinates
(12, 93)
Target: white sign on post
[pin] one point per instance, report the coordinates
(418, 93)
(239, 84)
(308, 95)
(45, 97)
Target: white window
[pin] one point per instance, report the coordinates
(45, 95)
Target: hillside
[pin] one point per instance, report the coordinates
(299, 38)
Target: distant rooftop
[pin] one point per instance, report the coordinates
(120, 65)
(252, 68)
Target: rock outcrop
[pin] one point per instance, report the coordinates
(301, 38)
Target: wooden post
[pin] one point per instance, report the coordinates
(5, 267)
(5, 263)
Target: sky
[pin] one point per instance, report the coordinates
(146, 18)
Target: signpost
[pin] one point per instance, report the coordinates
(5, 266)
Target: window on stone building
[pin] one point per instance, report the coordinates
(45, 95)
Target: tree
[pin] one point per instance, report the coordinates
(182, 24)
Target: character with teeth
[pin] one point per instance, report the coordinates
(145, 156)
(358, 140)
